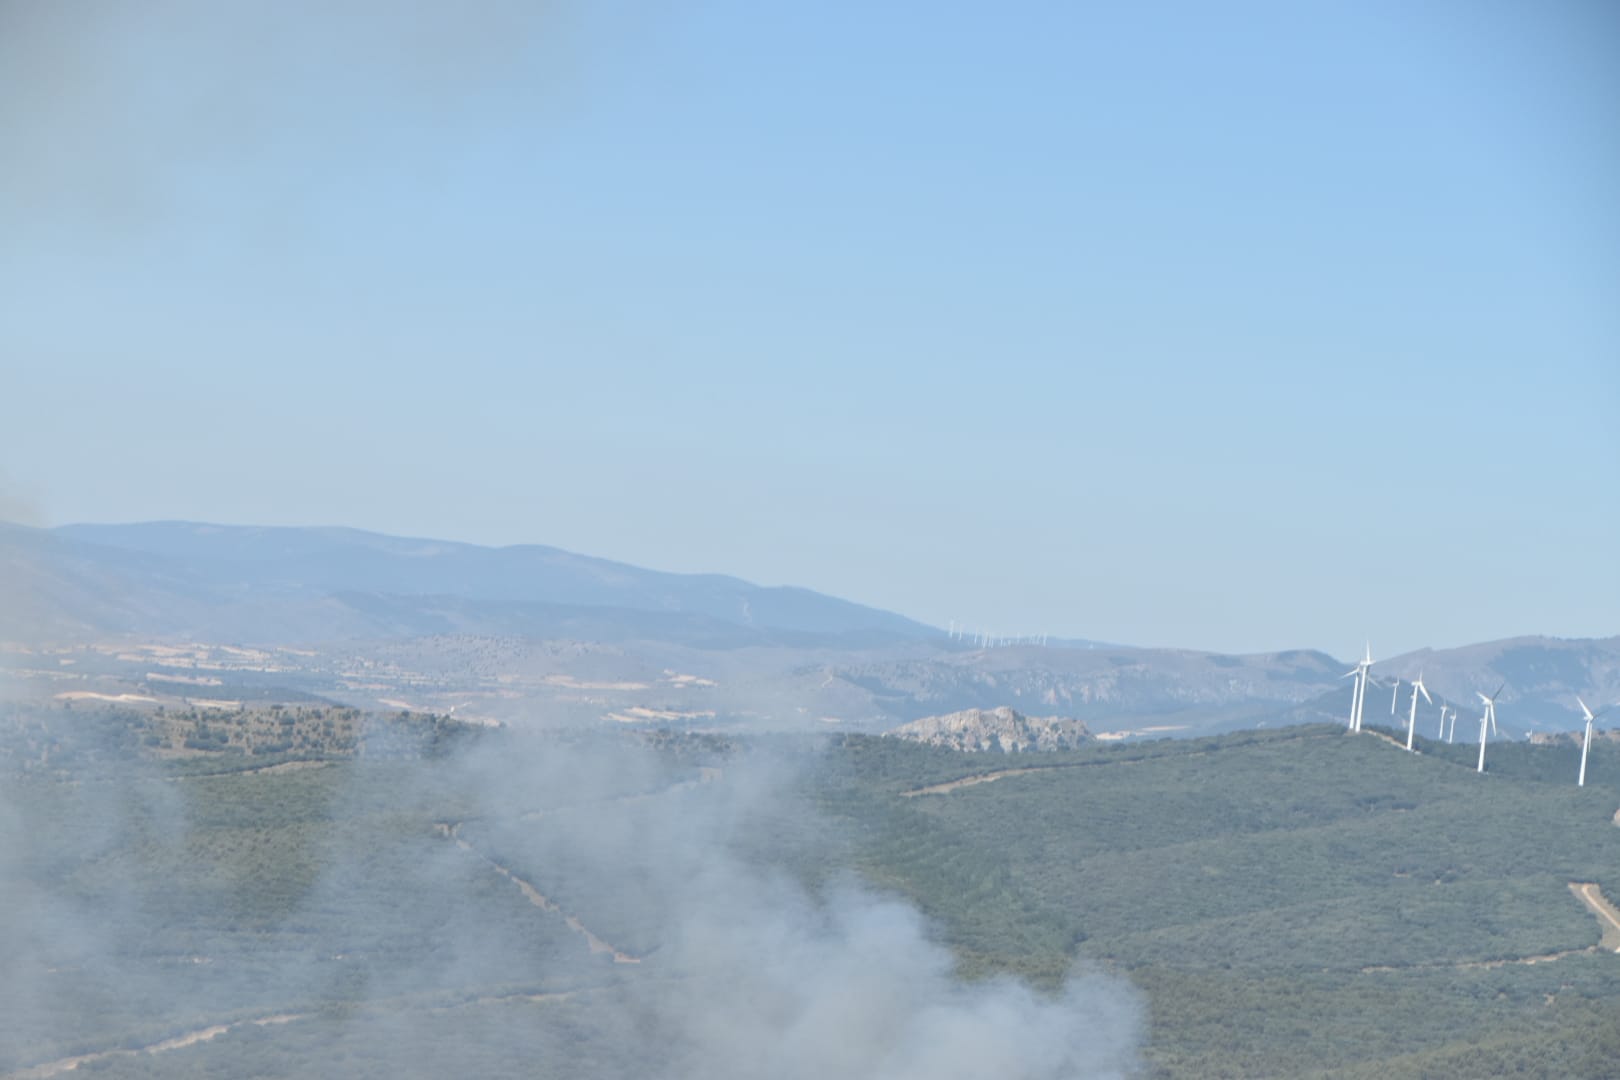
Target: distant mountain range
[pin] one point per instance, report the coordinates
(493, 631)
(259, 585)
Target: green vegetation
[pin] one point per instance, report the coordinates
(66, 741)
(1255, 885)
(1289, 903)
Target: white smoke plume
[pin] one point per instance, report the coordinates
(755, 974)
(748, 949)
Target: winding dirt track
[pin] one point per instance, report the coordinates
(452, 831)
(1024, 770)
(1392, 740)
(981, 778)
(175, 1042)
(205, 1034)
(540, 899)
(1608, 915)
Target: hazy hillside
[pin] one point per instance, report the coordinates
(1105, 685)
(262, 585)
(534, 634)
(1540, 677)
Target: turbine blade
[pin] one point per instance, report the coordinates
(1584, 709)
(1498, 692)
(1425, 692)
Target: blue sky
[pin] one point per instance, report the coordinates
(1237, 326)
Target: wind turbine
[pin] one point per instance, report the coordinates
(1442, 732)
(1490, 706)
(1586, 744)
(1411, 717)
(1451, 732)
(1360, 691)
(1488, 717)
(1394, 695)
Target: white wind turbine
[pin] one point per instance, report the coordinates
(1394, 695)
(1491, 701)
(1451, 732)
(1411, 717)
(1360, 694)
(1586, 744)
(1442, 732)
(1487, 718)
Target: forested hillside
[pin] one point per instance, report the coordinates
(1290, 903)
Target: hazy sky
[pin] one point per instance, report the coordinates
(1237, 326)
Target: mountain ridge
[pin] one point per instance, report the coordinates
(325, 583)
(777, 655)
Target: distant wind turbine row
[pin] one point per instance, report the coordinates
(1487, 720)
(984, 639)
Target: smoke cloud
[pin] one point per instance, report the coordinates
(760, 975)
(630, 913)
(127, 115)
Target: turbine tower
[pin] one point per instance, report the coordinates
(1394, 695)
(1586, 744)
(1487, 718)
(1360, 695)
(1491, 702)
(1411, 717)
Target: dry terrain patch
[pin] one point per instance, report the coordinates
(91, 695)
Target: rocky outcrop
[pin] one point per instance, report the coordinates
(1000, 729)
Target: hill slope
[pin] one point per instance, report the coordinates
(1539, 676)
(1289, 903)
(212, 582)
(1295, 903)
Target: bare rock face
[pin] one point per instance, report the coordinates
(1000, 729)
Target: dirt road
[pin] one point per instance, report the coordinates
(538, 898)
(175, 1042)
(214, 1031)
(452, 831)
(1608, 915)
(1587, 893)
